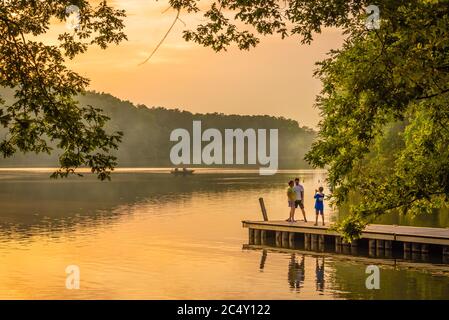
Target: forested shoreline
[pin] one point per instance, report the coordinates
(146, 133)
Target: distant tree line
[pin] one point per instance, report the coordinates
(146, 133)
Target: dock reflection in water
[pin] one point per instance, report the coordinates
(343, 276)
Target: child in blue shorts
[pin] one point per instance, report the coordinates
(319, 204)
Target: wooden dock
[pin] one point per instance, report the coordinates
(375, 237)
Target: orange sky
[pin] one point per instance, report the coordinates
(275, 78)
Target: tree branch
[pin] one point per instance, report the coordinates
(163, 38)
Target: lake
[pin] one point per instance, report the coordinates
(150, 235)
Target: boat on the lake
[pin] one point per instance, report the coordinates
(182, 171)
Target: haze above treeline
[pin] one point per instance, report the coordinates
(146, 141)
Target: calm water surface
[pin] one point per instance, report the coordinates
(150, 235)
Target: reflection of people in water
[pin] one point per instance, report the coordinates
(296, 272)
(319, 270)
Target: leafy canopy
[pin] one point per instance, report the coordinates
(44, 113)
(396, 74)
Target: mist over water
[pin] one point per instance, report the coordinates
(150, 235)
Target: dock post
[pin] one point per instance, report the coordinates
(321, 242)
(446, 251)
(257, 236)
(338, 241)
(388, 248)
(380, 247)
(314, 244)
(278, 238)
(263, 209)
(291, 240)
(285, 239)
(380, 244)
(251, 236)
(307, 241)
(338, 244)
(446, 254)
(407, 246)
(353, 245)
(263, 237)
(345, 248)
(321, 239)
(417, 256)
(416, 247)
(372, 247)
(425, 257)
(407, 250)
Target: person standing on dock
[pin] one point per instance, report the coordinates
(291, 195)
(299, 202)
(319, 204)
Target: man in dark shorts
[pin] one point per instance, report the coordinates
(299, 202)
